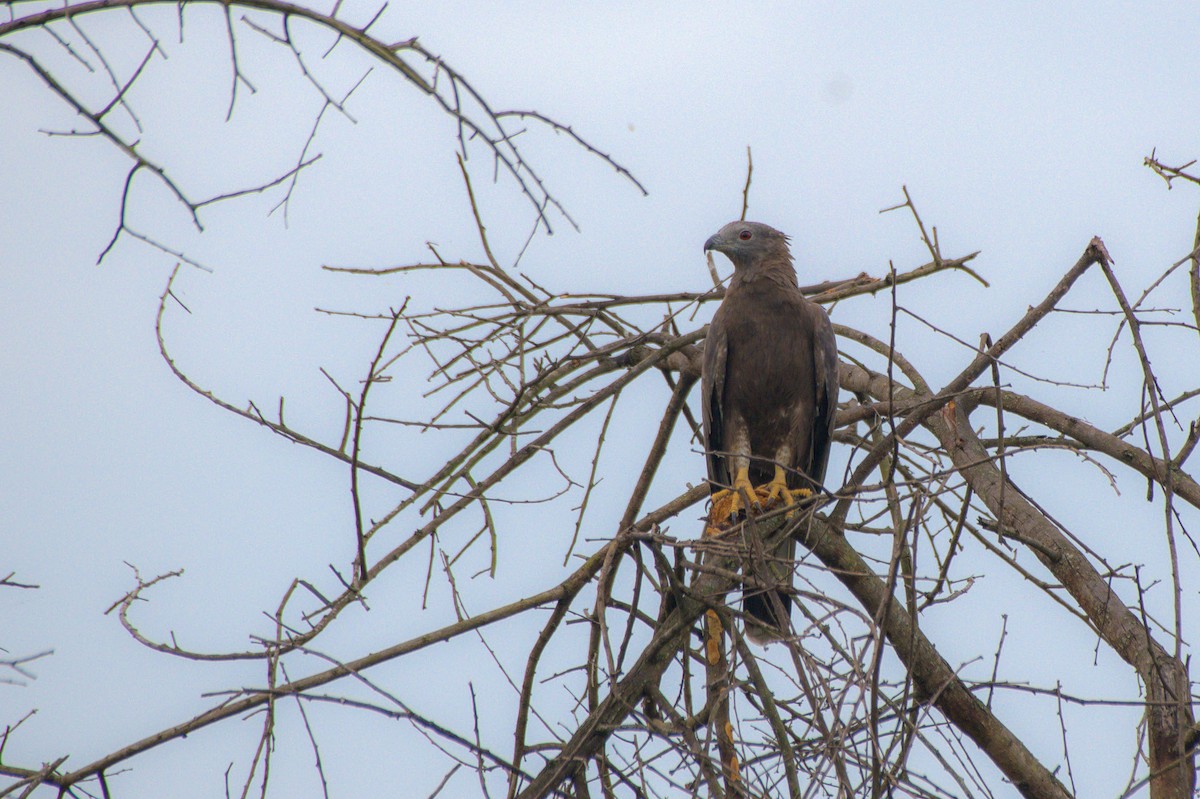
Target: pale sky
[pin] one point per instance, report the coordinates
(1019, 130)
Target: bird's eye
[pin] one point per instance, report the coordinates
(744, 235)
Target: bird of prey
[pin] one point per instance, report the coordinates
(769, 393)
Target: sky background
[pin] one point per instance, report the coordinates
(1019, 130)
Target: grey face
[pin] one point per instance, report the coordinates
(748, 243)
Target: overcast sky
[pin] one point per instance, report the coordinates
(1019, 130)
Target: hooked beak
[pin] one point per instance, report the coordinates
(714, 242)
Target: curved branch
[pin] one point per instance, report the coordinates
(487, 125)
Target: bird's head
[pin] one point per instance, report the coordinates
(750, 243)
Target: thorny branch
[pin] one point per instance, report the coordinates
(439, 81)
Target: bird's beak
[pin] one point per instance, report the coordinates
(714, 242)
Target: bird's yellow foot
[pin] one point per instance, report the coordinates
(731, 501)
(777, 489)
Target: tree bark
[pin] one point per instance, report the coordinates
(1168, 692)
(1168, 699)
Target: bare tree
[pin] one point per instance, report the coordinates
(640, 627)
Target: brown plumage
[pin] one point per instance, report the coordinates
(769, 395)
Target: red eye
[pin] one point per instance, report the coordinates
(744, 235)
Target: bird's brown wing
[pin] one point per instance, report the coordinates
(811, 444)
(712, 387)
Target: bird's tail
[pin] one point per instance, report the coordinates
(768, 610)
(768, 615)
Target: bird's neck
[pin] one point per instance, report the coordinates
(775, 270)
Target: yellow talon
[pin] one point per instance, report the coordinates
(778, 489)
(734, 497)
(729, 502)
(743, 491)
